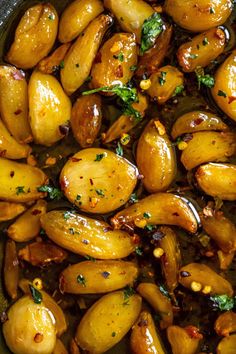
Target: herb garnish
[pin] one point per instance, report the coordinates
(81, 280)
(162, 78)
(139, 251)
(99, 157)
(120, 57)
(223, 302)
(134, 198)
(119, 149)
(62, 64)
(36, 295)
(146, 215)
(222, 93)
(128, 292)
(53, 193)
(19, 190)
(178, 90)
(151, 29)
(100, 192)
(205, 41)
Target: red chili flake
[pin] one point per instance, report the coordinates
(64, 129)
(197, 122)
(231, 99)
(18, 75)
(18, 111)
(74, 159)
(98, 58)
(36, 212)
(193, 332)
(119, 71)
(91, 181)
(3, 153)
(12, 173)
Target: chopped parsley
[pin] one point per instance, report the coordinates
(89, 258)
(119, 149)
(162, 78)
(81, 280)
(36, 295)
(62, 64)
(139, 251)
(100, 192)
(150, 227)
(193, 56)
(51, 17)
(113, 334)
(223, 302)
(206, 80)
(222, 93)
(133, 67)
(212, 11)
(205, 41)
(151, 29)
(128, 292)
(120, 57)
(178, 90)
(134, 198)
(19, 190)
(67, 215)
(99, 157)
(53, 193)
(164, 291)
(146, 215)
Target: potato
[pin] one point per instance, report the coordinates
(221, 230)
(225, 84)
(201, 50)
(208, 146)
(30, 328)
(218, 180)
(114, 60)
(195, 121)
(9, 147)
(41, 253)
(152, 59)
(11, 269)
(225, 323)
(85, 236)
(227, 345)
(59, 348)
(86, 119)
(91, 277)
(52, 62)
(183, 340)
(27, 226)
(171, 259)
(130, 15)
(155, 157)
(49, 108)
(79, 59)
(159, 208)
(9, 211)
(52, 306)
(14, 103)
(198, 15)
(159, 302)
(76, 18)
(200, 278)
(144, 337)
(97, 180)
(20, 182)
(164, 83)
(34, 36)
(124, 123)
(107, 321)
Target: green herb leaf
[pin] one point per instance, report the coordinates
(178, 90)
(205, 41)
(130, 111)
(133, 67)
(146, 215)
(81, 280)
(212, 11)
(222, 93)
(150, 227)
(19, 190)
(36, 295)
(67, 215)
(119, 149)
(89, 258)
(162, 78)
(139, 251)
(128, 292)
(113, 334)
(62, 64)
(120, 57)
(151, 29)
(193, 56)
(51, 17)
(206, 80)
(164, 291)
(134, 198)
(223, 302)
(99, 157)
(100, 192)
(53, 193)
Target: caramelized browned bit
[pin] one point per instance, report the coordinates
(11, 269)
(52, 62)
(74, 349)
(42, 253)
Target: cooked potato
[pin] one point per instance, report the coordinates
(11, 269)
(41, 253)
(217, 180)
(227, 345)
(14, 103)
(79, 59)
(49, 108)
(30, 328)
(159, 208)
(221, 230)
(85, 236)
(164, 83)
(195, 121)
(34, 36)
(60, 348)
(114, 60)
(130, 15)
(97, 180)
(144, 337)
(52, 62)
(208, 146)
(198, 15)
(225, 323)
(125, 123)
(200, 278)
(9, 147)
(201, 50)
(152, 59)
(155, 157)
(27, 226)
(76, 18)
(171, 259)
(184, 340)
(86, 119)
(91, 277)
(20, 182)
(101, 328)
(9, 211)
(225, 82)
(159, 302)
